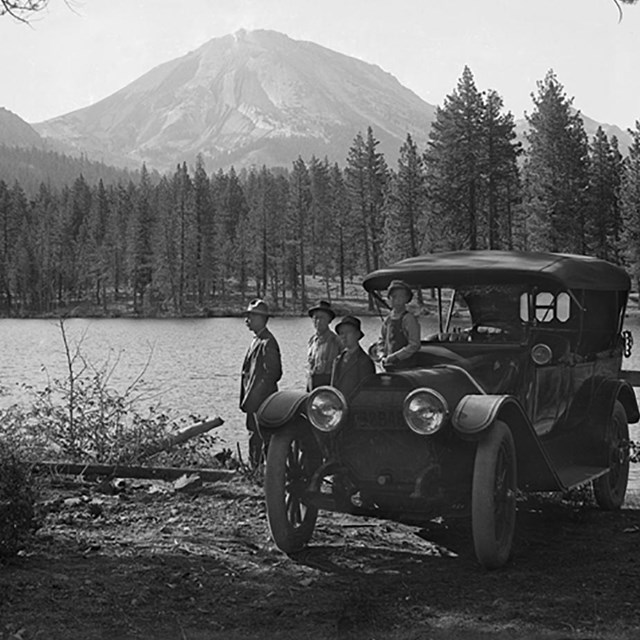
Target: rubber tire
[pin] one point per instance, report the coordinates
(291, 522)
(493, 497)
(609, 490)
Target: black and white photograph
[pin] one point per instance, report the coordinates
(319, 320)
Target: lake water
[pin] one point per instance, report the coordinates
(192, 365)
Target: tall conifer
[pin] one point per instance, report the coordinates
(630, 206)
(555, 172)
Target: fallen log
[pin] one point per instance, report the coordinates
(188, 433)
(140, 473)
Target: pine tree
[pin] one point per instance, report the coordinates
(141, 234)
(97, 248)
(48, 244)
(323, 237)
(555, 172)
(9, 229)
(367, 180)
(277, 216)
(232, 207)
(603, 224)
(455, 159)
(257, 188)
(630, 206)
(166, 244)
(500, 171)
(78, 237)
(406, 205)
(119, 240)
(205, 232)
(299, 207)
(24, 275)
(345, 231)
(183, 211)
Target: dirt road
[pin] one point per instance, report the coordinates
(152, 563)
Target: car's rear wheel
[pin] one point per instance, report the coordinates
(288, 471)
(609, 490)
(493, 497)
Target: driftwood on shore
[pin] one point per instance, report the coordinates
(140, 472)
(184, 435)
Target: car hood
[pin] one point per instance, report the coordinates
(477, 375)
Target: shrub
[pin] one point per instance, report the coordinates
(17, 498)
(82, 418)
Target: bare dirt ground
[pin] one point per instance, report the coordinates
(149, 562)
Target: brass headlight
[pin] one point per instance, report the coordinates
(326, 408)
(425, 411)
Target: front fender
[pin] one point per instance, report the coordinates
(280, 408)
(475, 413)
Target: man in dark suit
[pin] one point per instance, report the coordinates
(261, 370)
(352, 364)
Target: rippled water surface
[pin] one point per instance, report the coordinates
(190, 366)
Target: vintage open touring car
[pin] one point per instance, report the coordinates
(519, 389)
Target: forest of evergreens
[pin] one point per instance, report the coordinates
(194, 243)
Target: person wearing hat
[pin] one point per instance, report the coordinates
(353, 364)
(323, 346)
(400, 331)
(261, 370)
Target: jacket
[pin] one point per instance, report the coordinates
(346, 376)
(261, 370)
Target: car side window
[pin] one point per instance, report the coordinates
(546, 307)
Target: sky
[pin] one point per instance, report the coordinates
(80, 51)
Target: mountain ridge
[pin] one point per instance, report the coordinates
(253, 97)
(248, 98)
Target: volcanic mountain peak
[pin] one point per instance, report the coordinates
(250, 97)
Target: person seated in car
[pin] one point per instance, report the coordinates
(400, 332)
(352, 364)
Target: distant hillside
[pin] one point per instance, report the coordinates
(249, 98)
(14, 131)
(33, 166)
(590, 127)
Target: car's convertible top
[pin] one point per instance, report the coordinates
(457, 268)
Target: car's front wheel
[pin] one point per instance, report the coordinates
(609, 490)
(288, 471)
(493, 496)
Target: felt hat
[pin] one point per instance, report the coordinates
(399, 284)
(322, 305)
(258, 306)
(350, 320)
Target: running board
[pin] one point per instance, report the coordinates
(572, 477)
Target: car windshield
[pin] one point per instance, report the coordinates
(482, 309)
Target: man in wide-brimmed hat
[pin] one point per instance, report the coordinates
(261, 370)
(353, 364)
(400, 331)
(323, 347)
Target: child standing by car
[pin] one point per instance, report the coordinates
(400, 332)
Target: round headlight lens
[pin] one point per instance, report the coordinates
(541, 354)
(326, 408)
(425, 411)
